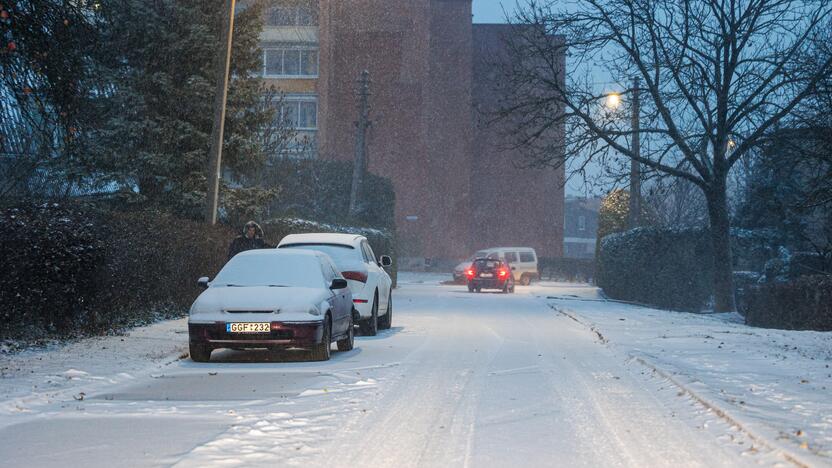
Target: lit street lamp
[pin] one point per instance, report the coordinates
(613, 101)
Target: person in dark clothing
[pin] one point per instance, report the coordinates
(251, 239)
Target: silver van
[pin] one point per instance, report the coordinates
(523, 261)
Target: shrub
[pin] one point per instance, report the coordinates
(320, 190)
(801, 304)
(74, 269)
(50, 254)
(567, 269)
(666, 268)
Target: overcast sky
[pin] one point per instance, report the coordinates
(489, 11)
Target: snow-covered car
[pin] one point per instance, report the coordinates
(273, 299)
(371, 286)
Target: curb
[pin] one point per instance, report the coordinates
(723, 414)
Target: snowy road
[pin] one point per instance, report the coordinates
(461, 380)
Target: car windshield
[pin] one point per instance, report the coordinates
(341, 254)
(271, 270)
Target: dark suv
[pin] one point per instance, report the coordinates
(489, 273)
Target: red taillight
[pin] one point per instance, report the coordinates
(360, 301)
(502, 273)
(355, 275)
(469, 273)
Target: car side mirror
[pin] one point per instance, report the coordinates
(386, 261)
(513, 268)
(203, 282)
(339, 283)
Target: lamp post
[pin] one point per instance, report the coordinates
(224, 63)
(634, 218)
(613, 100)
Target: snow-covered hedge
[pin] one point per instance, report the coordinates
(567, 269)
(75, 269)
(671, 269)
(801, 304)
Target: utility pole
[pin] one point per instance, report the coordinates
(223, 65)
(634, 218)
(360, 163)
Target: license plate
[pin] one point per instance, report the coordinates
(486, 275)
(264, 327)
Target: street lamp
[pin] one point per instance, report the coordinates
(613, 101)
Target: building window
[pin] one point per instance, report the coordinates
(282, 62)
(300, 113)
(582, 223)
(303, 14)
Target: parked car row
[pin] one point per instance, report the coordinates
(307, 293)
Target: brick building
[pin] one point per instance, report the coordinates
(431, 76)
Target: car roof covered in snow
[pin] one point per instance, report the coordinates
(322, 238)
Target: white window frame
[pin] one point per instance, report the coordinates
(299, 99)
(283, 50)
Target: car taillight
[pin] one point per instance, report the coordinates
(469, 273)
(502, 273)
(355, 275)
(360, 301)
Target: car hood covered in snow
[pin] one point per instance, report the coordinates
(289, 303)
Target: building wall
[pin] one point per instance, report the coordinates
(417, 53)
(510, 205)
(430, 79)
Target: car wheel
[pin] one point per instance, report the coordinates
(369, 327)
(525, 280)
(346, 344)
(200, 352)
(470, 287)
(321, 351)
(505, 288)
(385, 322)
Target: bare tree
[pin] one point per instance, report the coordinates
(716, 76)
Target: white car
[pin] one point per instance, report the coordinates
(273, 299)
(371, 286)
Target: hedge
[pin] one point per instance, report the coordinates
(670, 269)
(73, 269)
(567, 269)
(802, 304)
(78, 269)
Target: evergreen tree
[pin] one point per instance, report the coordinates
(161, 61)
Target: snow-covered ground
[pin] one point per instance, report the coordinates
(775, 384)
(550, 376)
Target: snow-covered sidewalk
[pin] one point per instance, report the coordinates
(44, 375)
(775, 384)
